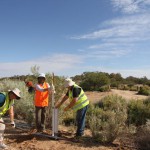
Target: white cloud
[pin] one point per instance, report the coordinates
(131, 6)
(126, 27)
(58, 63)
(70, 65)
(118, 37)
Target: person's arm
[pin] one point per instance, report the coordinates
(42, 89)
(61, 102)
(11, 114)
(72, 103)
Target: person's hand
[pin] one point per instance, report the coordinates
(12, 124)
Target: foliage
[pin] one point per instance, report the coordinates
(107, 118)
(35, 70)
(24, 107)
(138, 112)
(93, 81)
(105, 88)
(145, 90)
(143, 137)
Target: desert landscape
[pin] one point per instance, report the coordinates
(22, 139)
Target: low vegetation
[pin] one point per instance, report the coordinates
(106, 119)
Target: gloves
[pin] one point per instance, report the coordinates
(12, 124)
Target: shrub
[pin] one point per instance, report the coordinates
(145, 90)
(107, 121)
(143, 137)
(138, 112)
(104, 88)
(24, 107)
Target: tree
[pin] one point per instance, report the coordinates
(35, 70)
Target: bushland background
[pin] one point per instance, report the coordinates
(118, 116)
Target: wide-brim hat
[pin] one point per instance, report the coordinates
(16, 91)
(68, 82)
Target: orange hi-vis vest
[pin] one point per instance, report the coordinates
(41, 98)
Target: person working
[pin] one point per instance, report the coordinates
(41, 99)
(78, 102)
(6, 103)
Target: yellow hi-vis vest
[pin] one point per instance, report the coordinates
(7, 104)
(82, 99)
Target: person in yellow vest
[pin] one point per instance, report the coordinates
(78, 102)
(41, 99)
(6, 103)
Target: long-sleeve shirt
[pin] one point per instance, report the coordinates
(41, 89)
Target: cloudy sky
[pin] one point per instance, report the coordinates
(69, 37)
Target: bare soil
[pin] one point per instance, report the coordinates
(128, 95)
(23, 139)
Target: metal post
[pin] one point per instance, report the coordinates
(54, 112)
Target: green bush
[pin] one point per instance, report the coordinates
(107, 118)
(142, 139)
(104, 88)
(145, 90)
(23, 108)
(138, 112)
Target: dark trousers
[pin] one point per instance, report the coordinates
(80, 119)
(40, 115)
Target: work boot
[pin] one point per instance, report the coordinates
(78, 139)
(3, 146)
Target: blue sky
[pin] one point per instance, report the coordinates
(69, 37)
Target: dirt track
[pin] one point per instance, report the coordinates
(20, 140)
(128, 95)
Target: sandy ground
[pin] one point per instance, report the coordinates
(18, 139)
(128, 95)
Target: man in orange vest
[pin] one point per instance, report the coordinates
(41, 98)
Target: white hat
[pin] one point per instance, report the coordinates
(16, 91)
(68, 82)
(41, 75)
